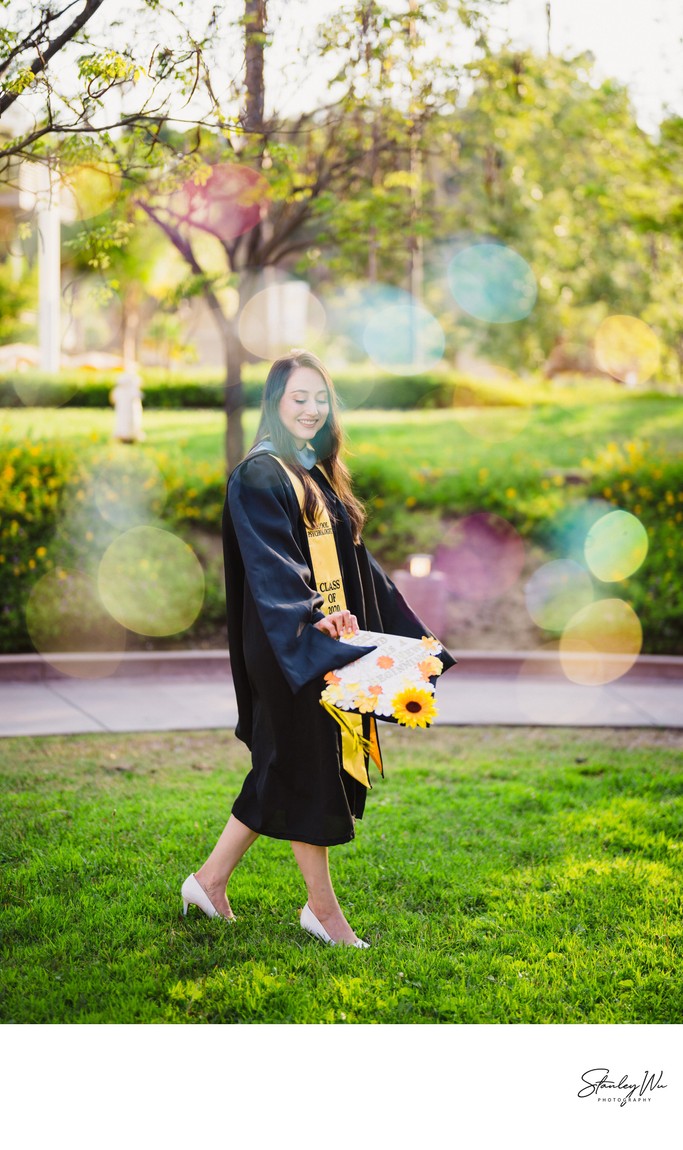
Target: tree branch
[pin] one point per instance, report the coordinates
(43, 59)
(184, 246)
(46, 17)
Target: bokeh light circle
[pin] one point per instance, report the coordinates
(556, 592)
(493, 424)
(627, 349)
(282, 316)
(404, 338)
(349, 307)
(64, 614)
(482, 559)
(601, 642)
(43, 392)
(492, 283)
(226, 200)
(571, 525)
(90, 189)
(151, 582)
(616, 546)
(129, 490)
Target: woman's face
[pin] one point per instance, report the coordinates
(305, 404)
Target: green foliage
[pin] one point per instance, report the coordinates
(107, 68)
(500, 876)
(416, 472)
(20, 81)
(404, 157)
(51, 523)
(639, 478)
(552, 162)
(15, 297)
(98, 243)
(360, 387)
(33, 479)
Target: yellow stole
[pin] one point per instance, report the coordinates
(328, 581)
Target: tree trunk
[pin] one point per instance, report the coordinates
(254, 35)
(415, 252)
(234, 399)
(254, 38)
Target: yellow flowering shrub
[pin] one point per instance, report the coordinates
(645, 482)
(33, 478)
(50, 520)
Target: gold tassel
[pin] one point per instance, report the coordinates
(359, 745)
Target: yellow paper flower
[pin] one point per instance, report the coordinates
(333, 693)
(430, 644)
(366, 703)
(414, 707)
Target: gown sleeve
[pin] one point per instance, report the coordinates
(264, 512)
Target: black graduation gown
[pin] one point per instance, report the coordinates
(296, 788)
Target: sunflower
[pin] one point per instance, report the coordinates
(413, 707)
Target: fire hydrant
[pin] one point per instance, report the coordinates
(127, 400)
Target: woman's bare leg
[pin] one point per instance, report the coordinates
(213, 876)
(314, 865)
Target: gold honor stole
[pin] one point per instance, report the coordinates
(328, 581)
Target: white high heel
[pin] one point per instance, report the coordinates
(193, 893)
(310, 923)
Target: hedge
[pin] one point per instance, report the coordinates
(357, 388)
(50, 522)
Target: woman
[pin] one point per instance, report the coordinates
(282, 644)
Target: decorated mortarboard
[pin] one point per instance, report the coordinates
(395, 682)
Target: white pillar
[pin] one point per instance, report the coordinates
(49, 277)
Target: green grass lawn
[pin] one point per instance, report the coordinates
(550, 435)
(526, 876)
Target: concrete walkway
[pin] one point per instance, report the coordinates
(188, 690)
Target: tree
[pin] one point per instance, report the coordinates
(554, 165)
(53, 96)
(319, 192)
(315, 174)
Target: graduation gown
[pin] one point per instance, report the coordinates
(296, 788)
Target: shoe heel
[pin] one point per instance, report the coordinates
(185, 906)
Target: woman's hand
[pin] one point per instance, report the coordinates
(338, 623)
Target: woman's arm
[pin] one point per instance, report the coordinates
(264, 512)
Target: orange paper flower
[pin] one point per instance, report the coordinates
(385, 661)
(430, 666)
(330, 677)
(376, 690)
(430, 644)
